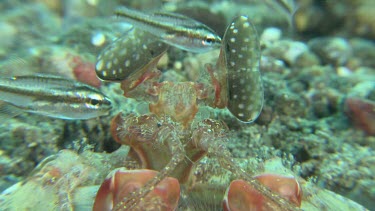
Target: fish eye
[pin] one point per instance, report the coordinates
(209, 40)
(94, 102)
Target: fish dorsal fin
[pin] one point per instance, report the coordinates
(45, 81)
(171, 15)
(176, 17)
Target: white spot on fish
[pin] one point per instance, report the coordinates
(246, 24)
(137, 57)
(235, 31)
(241, 115)
(240, 56)
(246, 40)
(108, 65)
(144, 46)
(104, 73)
(233, 39)
(123, 52)
(241, 106)
(99, 65)
(127, 63)
(232, 63)
(115, 61)
(113, 72)
(233, 50)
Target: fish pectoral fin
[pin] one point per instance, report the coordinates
(8, 110)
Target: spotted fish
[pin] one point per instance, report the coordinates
(242, 55)
(174, 29)
(128, 55)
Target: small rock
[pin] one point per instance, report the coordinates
(98, 39)
(344, 71)
(362, 113)
(364, 51)
(270, 35)
(8, 35)
(332, 50)
(325, 102)
(365, 19)
(363, 89)
(177, 65)
(286, 50)
(307, 59)
(289, 104)
(270, 64)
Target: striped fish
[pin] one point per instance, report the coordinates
(174, 29)
(287, 8)
(51, 96)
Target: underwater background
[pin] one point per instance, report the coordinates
(317, 122)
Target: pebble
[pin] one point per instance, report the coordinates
(363, 51)
(332, 50)
(177, 65)
(270, 35)
(362, 114)
(363, 89)
(8, 36)
(344, 71)
(98, 39)
(286, 50)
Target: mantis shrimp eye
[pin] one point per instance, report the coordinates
(242, 56)
(128, 55)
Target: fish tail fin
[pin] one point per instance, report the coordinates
(8, 111)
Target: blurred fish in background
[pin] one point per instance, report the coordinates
(286, 7)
